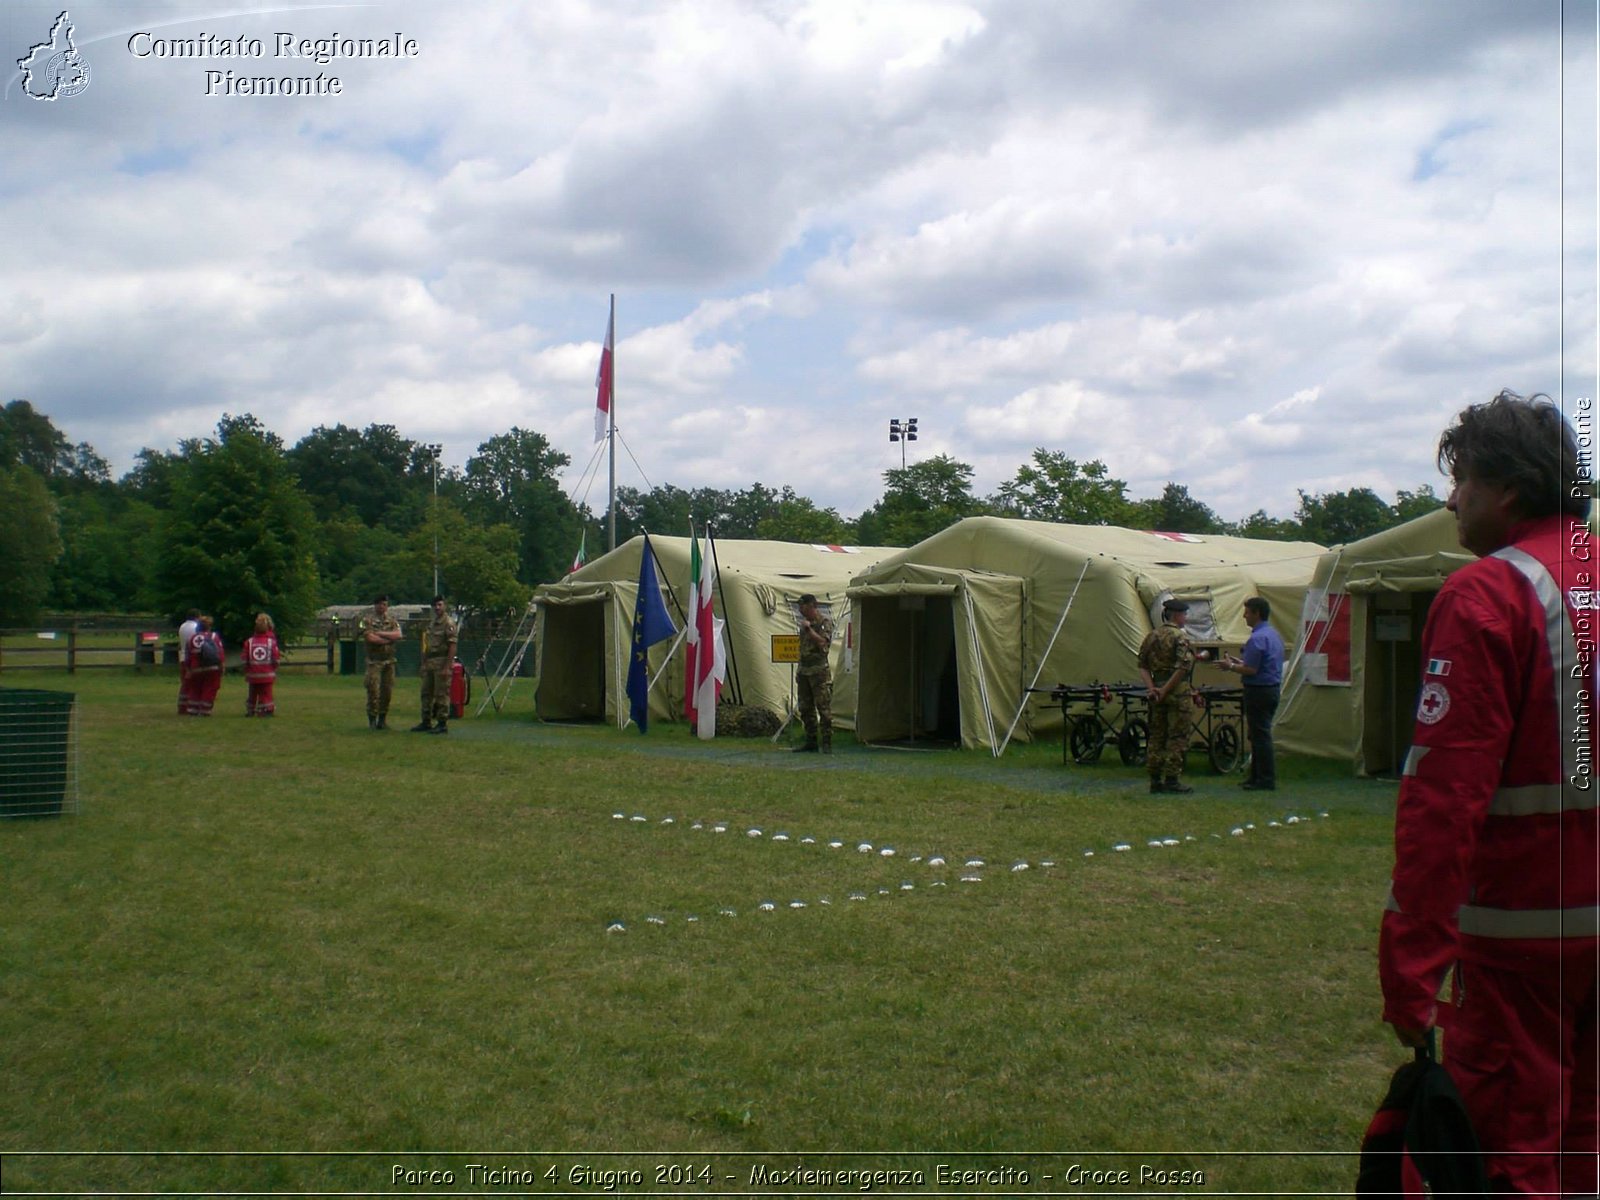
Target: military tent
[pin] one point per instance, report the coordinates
(955, 630)
(1351, 687)
(582, 625)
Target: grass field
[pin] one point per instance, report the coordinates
(268, 938)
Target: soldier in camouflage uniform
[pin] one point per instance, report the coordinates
(1167, 656)
(816, 679)
(438, 653)
(380, 631)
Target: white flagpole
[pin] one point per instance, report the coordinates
(611, 504)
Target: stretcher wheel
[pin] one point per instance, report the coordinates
(1226, 749)
(1087, 741)
(1132, 742)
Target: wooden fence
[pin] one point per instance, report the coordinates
(75, 648)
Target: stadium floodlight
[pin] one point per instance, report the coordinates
(902, 431)
(435, 449)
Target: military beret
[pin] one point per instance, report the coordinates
(1172, 605)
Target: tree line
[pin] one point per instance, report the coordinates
(238, 521)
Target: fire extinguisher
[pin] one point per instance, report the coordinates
(460, 689)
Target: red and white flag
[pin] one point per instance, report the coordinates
(602, 379)
(704, 664)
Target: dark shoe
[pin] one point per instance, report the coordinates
(827, 747)
(1157, 786)
(1177, 785)
(441, 727)
(372, 723)
(383, 724)
(808, 748)
(422, 727)
(1259, 787)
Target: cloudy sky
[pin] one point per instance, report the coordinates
(1246, 245)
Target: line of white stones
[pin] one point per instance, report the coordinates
(971, 868)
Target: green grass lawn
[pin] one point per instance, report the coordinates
(298, 935)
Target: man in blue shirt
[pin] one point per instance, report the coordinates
(1260, 669)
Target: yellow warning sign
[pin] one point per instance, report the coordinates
(786, 647)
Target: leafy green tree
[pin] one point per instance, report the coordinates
(29, 544)
(239, 536)
(795, 518)
(1408, 506)
(1056, 488)
(109, 541)
(477, 564)
(367, 473)
(918, 502)
(1174, 511)
(30, 439)
(1335, 517)
(1259, 525)
(514, 480)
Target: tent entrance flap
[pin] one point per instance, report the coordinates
(1394, 622)
(910, 667)
(572, 677)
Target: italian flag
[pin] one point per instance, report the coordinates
(704, 666)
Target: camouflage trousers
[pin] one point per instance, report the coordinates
(816, 707)
(1168, 743)
(435, 689)
(380, 687)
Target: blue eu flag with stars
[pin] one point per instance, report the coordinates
(651, 624)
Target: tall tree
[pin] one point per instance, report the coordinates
(29, 544)
(239, 536)
(514, 480)
(1056, 488)
(1175, 511)
(1332, 518)
(794, 518)
(367, 472)
(1408, 506)
(918, 502)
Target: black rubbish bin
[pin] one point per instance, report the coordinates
(144, 653)
(35, 751)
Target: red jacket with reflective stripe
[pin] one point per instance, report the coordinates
(260, 658)
(1496, 828)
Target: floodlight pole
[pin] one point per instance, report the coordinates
(435, 449)
(902, 431)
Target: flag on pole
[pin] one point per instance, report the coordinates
(581, 557)
(710, 665)
(691, 647)
(602, 379)
(651, 624)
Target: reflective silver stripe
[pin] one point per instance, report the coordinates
(1414, 759)
(1571, 703)
(1530, 923)
(1542, 798)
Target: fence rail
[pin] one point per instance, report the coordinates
(77, 649)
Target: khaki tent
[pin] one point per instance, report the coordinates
(583, 624)
(1351, 690)
(953, 631)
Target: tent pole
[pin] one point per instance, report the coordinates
(1045, 657)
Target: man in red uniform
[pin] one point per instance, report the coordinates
(1496, 846)
(260, 668)
(205, 659)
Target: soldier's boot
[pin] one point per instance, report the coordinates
(809, 746)
(423, 726)
(827, 742)
(372, 722)
(1157, 785)
(442, 727)
(383, 723)
(1175, 785)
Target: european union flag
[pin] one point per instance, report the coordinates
(651, 624)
